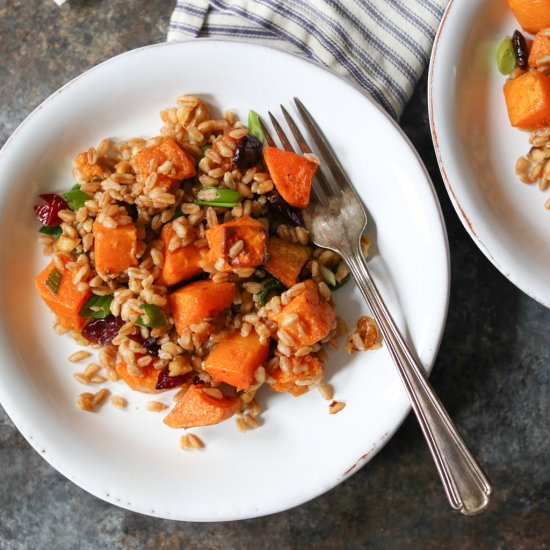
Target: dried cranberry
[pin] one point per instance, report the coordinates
(131, 209)
(47, 211)
(150, 344)
(167, 382)
(102, 331)
(248, 152)
(291, 214)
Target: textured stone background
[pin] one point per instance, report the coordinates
(492, 372)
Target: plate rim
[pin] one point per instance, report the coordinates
(435, 113)
(58, 465)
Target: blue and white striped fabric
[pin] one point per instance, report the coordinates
(381, 45)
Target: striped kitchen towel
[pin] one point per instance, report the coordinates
(381, 45)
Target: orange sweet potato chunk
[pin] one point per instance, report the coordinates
(180, 264)
(68, 301)
(221, 238)
(539, 49)
(197, 408)
(532, 15)
(87, 169)
(196, 301)
(528, 100)
(114, 247)
(291, 174)
(282, 381)
(183, 167)
(285, 260)
(315, 316)
(235, 360)
(146, 383)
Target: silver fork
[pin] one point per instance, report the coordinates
(336, 219)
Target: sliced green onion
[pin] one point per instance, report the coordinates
(254, 126)
(216, 204)
(52, 231)
(96, 307)
(75, 198)
(54, 280)
(216, 196)
(153, 316)
(273, 285)
(506, 56)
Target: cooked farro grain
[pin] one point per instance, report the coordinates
(119, 402)
(326, 391)
(191, 442)
(78, 356)
(336, 407)
(155, 406)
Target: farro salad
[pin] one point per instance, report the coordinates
(183, 260)
(526, 59)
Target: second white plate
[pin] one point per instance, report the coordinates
(477, 148)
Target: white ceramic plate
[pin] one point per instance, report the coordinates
(477, 148)
(130, 458)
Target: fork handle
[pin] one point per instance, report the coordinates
(465, 483)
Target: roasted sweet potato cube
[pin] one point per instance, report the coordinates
(292, 175)
(196, 301)
(179, 264)
(528, 100)
(313, 315)
(68, 300)
(87, 169)
(540, 49)
(285, 260)
(197, 408)
(308, 368)
(114, 247)
(224, 237)
(182, 167)
(235, 360)
(532, 15)
(146, 383)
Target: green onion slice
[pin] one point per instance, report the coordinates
(54, 280)
(96, 307)
(216, 196)
(75, 198)
(273, 285)
(153, 316)
(254, 126)
(52, 231)
(506, 56)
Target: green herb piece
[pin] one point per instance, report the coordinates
(54, 280)
(273, 285)
(342, 281)
(75, 198)
(254, 126)
(96, 307)
(216, 196)
(153, 316)
(52, 231)
(506, 56)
